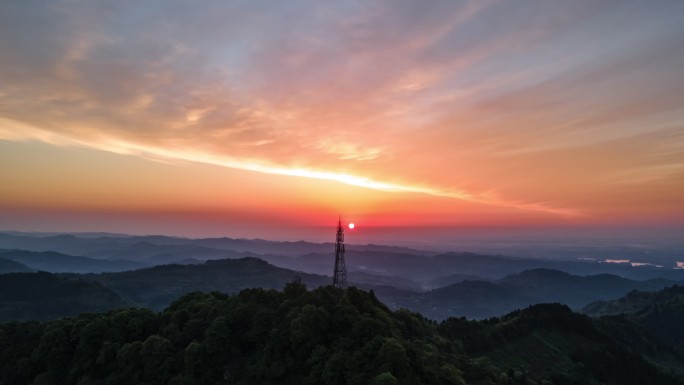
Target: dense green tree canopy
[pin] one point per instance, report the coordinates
(323, 336)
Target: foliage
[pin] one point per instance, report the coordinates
(45, 296)
(323, 336)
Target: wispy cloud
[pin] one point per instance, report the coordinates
(490, 102)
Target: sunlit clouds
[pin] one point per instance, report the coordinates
(573, 110)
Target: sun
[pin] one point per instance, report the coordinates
(351, 226)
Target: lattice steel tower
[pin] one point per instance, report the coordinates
(340, 273)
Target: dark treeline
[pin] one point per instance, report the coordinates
(326, 336)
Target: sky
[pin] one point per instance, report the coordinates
(269, 118)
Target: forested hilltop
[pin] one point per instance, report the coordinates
(326, 336)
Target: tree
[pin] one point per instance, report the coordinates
(54, 352)
(334, 370)
(158, 359)
(129, 364)
(392, 358)
(193, 358)
(385, 378)
(294, 289)
(309, 328)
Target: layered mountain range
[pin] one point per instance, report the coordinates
(153, 271)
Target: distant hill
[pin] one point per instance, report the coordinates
(575, 291)
(473, 299)
(44, 296)
(87, 245)
(483, 299)
(59, 263)
(427, 268)
(165, 254)
(451, 279)
(420, 266)
(63, 243)
(156, 287)
(434, 271)
(10, 266)
(365, 279)
(416, 265)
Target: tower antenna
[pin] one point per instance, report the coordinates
(340, 273)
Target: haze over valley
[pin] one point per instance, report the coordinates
(152, 271)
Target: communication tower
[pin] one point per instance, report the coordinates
(340, 273)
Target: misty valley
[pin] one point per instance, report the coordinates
(119, 309)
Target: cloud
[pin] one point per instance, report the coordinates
(486, 101)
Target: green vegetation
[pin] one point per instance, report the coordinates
(660, 314)
(45, 296)
(552, 343)
(321, 336)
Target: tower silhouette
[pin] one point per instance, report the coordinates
(340, 273)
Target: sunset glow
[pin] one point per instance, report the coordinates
(234, 118)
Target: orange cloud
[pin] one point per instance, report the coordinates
(475, 102)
